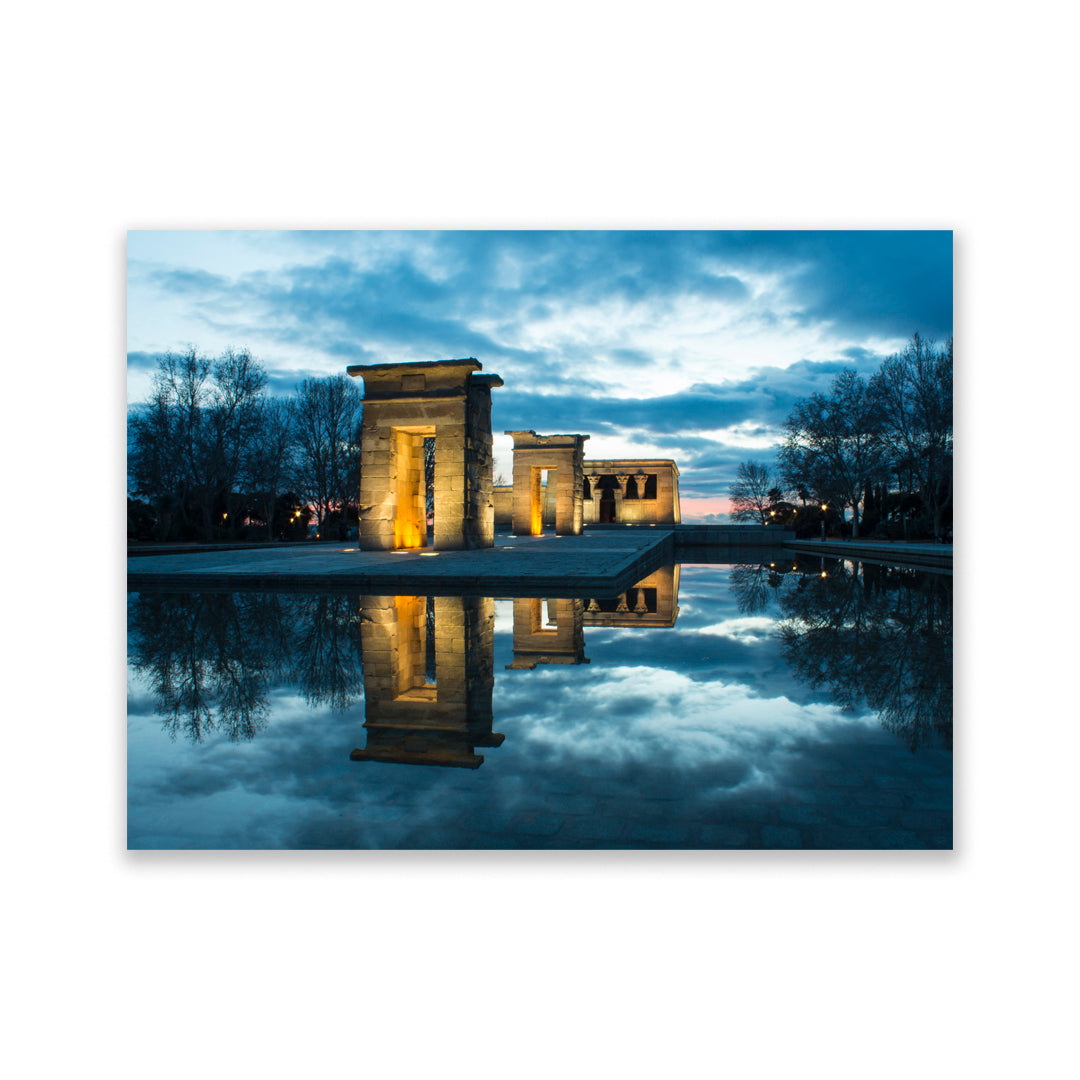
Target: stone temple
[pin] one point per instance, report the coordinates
(404, 404)
(639, 491)
(449, 401)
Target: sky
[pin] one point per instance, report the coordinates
(671, 344)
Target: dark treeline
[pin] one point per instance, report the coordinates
(212, 660)
(211, 456)
(881, 448)
(874, 635)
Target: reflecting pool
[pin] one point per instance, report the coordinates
(782, 703)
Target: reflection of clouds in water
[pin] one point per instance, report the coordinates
(703, 717)
(749, 628)
(638, 714)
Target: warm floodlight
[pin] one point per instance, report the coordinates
(429, 553)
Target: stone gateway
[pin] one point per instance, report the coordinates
(405, 404)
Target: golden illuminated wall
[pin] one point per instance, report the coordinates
(623, 483)
(409, 718)
(403, 404)
(561, 456)
(407, 458)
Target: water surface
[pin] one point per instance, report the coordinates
(792, 703)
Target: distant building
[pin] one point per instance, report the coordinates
(641, 491)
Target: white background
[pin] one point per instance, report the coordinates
(475, 115)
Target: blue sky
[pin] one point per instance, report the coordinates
(684, 345)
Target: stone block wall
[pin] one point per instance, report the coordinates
(534, 454)
(409, 720)
(503, 498)
(403, 405)
(548, 632)
(662, 510)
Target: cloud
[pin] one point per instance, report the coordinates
(693, 344)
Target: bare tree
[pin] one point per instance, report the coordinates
(835, 442)
(190, 442)
(269, 458)
(749, 494)
(326, 425)
(233, 418)
(169, 460)
(913, 391)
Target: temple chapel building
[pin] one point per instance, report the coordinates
(615, 491)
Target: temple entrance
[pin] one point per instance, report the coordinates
(407, 460)
(429, 488)
(549, 480)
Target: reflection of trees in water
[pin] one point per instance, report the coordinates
(875, 634)
(755, 586)
(212, 658)
(328, 650)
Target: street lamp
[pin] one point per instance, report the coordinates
(824, 507)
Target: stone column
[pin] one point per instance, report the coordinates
(620, 494)
(594, 499)
(667, 494)
(377, 498)
(568, 500)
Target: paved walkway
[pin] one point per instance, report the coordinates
(601, 563)
(895, 553)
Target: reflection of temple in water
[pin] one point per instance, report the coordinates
(557, 639)
(428, 676)
(429, 662)
(553, 631)
(653, 601)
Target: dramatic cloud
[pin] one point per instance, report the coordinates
(663, 729)
(690, 345)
